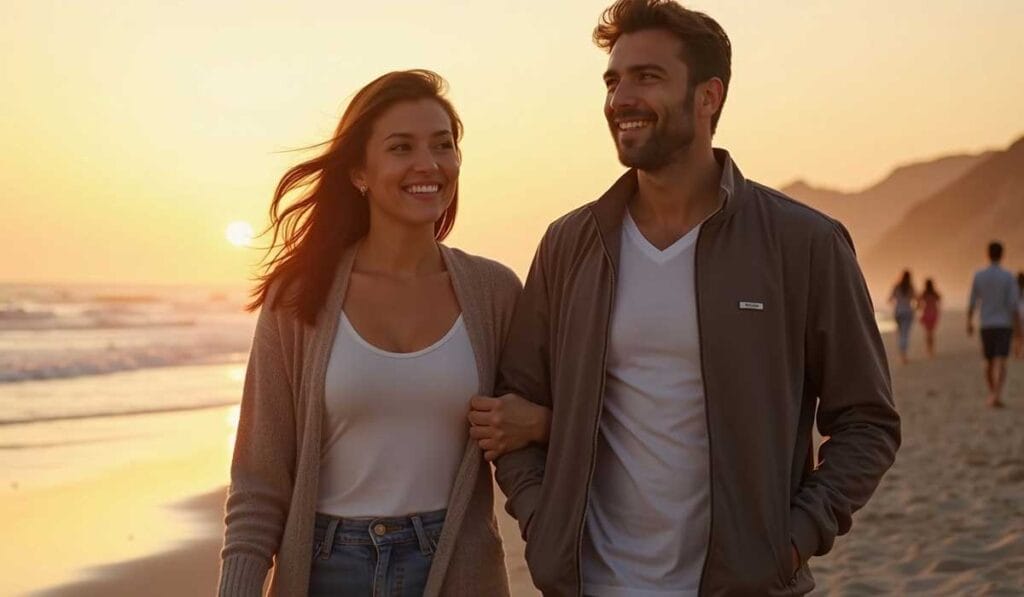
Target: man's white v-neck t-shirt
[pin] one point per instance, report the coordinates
(647, 525)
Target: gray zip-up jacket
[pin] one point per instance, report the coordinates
(805, 342)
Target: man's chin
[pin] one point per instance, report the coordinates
(631, 159)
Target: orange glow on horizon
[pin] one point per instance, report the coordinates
(131, 133)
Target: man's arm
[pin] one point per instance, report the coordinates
(847, 368)
(972, 302)
(525, 370)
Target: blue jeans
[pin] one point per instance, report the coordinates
(904, 321)
(375, 557)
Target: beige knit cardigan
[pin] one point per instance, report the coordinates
(271, 503)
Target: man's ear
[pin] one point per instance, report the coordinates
(709, 96)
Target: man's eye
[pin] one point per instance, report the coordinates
(647, 77)
(610, 85)
(446, 145)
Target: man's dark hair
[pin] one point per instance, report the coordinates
(706, 48)
(995, 250)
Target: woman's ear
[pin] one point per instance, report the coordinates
(358, 180)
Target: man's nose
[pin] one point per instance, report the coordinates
(622, 96)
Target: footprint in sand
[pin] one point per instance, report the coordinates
(926, 585)
(977, 460)
(857, 589)
(1008, 546)
(953, 565)
(1012, 476)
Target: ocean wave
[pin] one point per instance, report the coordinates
(127, 412)
(19, 314)
(94, 322)
(62, 366)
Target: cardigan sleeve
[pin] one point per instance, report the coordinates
(263, 465)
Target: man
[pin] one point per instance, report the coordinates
(996, 290)
(684, 328)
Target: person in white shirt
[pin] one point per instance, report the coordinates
(996, 291)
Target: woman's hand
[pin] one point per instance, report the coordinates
(507, 423)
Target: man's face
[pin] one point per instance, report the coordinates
(649, 105)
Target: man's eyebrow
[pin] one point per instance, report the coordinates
(635, 69)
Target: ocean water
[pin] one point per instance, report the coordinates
(83, 351)
(115, 403)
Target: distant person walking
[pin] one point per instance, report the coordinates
(1018, 348)
(995, 289)
(929, 303)
(903, 298)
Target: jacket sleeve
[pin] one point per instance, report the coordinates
(262, 468)
(847, 368)
(524, 370)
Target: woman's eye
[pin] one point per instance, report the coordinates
(446, 145)
(400, 147)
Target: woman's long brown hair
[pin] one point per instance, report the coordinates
(310, 235)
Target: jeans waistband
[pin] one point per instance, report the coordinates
(378, 531)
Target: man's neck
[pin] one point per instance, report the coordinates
(673, 200)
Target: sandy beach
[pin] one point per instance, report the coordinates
(948, 519)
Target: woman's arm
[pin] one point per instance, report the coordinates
(262, 467)
(507, 423)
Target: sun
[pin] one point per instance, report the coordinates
(239, 233)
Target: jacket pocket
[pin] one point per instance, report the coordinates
(784, 555)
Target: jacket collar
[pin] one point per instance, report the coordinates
(610, 209)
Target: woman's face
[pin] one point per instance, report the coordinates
(412, 164)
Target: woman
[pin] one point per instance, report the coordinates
(353, 471)
(1018, 344)
(929, 303)
(902, 299)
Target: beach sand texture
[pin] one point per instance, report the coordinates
(948, 519)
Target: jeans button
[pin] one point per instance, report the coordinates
(379, 529)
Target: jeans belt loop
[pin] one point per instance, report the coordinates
(425, 544)
(327, 545)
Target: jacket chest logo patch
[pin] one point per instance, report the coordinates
(751, 306)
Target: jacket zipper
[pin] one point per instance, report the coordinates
(596, 428)
(707, 409)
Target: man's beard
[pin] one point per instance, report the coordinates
(667, 139)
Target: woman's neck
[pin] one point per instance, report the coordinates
(399, 251)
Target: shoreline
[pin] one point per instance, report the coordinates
(188, 569)
(193, 567)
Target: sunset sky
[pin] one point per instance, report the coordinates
(133, 133)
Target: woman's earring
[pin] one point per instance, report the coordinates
(362, 190)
